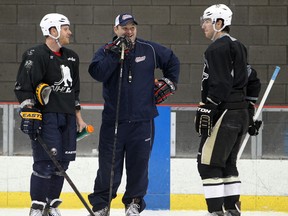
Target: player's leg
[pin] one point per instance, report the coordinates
(138, 150)
(213, 186)
(232, 183)
(56, 185)
(99, 199)
(65, 143)
(214, 152)
(40, 186)
(42, 170)
(59, 132)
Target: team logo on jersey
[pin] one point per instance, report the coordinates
(28, 64)
(30, 52)
(139, 59)
(64, 85)
(205, 75)
(71, 59)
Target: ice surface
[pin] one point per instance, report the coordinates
(120, 212)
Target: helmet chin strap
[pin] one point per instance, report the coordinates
(216, 31)
(58, 43)
(56, 39)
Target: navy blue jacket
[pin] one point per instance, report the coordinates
(137, 97)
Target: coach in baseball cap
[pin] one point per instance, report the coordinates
(131, 62)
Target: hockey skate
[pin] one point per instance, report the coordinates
(234, 212)
(52, 209)
(133, 208)
(37, 208)
(101, 212)
(219, 213)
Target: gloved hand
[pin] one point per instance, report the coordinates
(31, 121)
(254, 126)
(204, 119)
(116, 45)
(253, 129)
(163, 89)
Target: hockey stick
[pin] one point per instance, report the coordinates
(259, 110)
(116, 127)
(52, 154)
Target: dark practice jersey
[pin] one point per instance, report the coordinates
(41, 65)
(225, 74)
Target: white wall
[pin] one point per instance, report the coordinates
(259, 177)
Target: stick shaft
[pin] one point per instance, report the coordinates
(259, 110)
(116, 128)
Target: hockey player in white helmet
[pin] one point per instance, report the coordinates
(47, 88)
(56, 21)
(213, 14)
(222, 118)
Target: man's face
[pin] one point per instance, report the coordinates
(130, 30)
(65, 34)
(207, 28)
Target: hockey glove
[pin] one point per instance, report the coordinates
(204, 119)
(116, 45)
(43, 92)
(163, 88)
(254, 126)
(31, 121)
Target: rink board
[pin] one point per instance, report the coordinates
(174, 182)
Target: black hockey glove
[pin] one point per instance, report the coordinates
(254, 126)
(31, 121)
(116, 45)
(162, 89)
(204, 119)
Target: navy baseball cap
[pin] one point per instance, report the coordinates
(123, 19)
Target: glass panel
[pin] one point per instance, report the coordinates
(1, 131)
(275, 135)
(85, 147)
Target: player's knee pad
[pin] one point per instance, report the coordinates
(43, 169)
(64, 165)
(230, 170)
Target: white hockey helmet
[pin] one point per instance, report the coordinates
(53, 20)
(218, 11)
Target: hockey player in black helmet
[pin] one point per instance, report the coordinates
(47, 88)
(222, 117)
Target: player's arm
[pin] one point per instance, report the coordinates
(23, 86)
(76, 86)
(103, 65)
(30, 73)
(252, 93)
(79, 121)
(25, 90)
(168, 62)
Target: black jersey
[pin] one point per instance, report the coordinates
(225, 71)
(41, 65)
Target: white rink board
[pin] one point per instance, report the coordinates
(259, 177)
